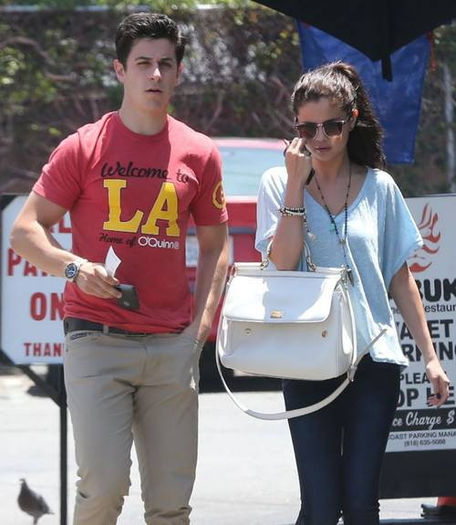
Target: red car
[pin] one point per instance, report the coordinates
(244, 161)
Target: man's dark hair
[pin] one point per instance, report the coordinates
(147, 25)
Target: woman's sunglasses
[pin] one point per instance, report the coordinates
(331, 128)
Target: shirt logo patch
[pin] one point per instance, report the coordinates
(218, 196)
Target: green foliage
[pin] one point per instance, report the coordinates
(164, 6)
(241, 63)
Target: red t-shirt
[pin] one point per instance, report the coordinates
(135, 193)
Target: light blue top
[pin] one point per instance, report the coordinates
(381, 236)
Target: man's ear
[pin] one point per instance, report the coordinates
(180, 67)
(119, 69)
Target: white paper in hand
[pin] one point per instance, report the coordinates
(112, 262)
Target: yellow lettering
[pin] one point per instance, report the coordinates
(114, 223)
(165, 209)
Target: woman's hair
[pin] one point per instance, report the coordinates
(342, 85)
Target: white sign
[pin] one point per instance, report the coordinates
(32, 305)
(417, 426)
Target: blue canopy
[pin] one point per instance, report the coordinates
(397, 102)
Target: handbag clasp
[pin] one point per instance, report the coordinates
(276, 314)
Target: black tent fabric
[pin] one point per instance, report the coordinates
(377, 28)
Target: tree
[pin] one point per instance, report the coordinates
(241, 63)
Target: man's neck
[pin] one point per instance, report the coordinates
(142, 123)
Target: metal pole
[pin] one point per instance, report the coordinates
(63, 449)
(450, 142)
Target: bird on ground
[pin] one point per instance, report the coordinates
(32, 503)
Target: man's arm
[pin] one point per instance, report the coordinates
(405, 293)
(210, 277)
(31, 238)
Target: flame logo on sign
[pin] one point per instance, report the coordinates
(421, 259)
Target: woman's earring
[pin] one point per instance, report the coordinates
(355, 114)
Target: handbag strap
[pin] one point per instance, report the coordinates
(307, 256)
(289, 414)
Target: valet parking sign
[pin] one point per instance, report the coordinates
(417, 426)
(32, 304)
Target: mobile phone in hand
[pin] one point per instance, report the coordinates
(129, 298)
(307, 153)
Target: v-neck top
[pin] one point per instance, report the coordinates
(382, 235)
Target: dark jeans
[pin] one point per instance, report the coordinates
(339, 449)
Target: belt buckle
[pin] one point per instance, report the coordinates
(120, 331)
(107, 330)
(139, 334)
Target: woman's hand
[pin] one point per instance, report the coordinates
(440, 383)
(298, 161)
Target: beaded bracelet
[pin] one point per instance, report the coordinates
(286, 211)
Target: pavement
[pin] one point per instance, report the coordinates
(246, 473)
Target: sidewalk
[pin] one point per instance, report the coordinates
(246, 473)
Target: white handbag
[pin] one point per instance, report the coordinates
(288, 324)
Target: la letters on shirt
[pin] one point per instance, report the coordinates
(136, 193)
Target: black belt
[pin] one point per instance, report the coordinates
(73, 324)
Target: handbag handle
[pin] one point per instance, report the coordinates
(310, 264)
(289, 414)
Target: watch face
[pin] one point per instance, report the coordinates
(71, 271)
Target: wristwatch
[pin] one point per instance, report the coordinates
(72, 270)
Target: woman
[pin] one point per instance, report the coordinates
(356, 217)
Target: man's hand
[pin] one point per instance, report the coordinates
(93, 279)
(198, 332)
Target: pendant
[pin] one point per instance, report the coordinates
(343, 241)
(350, 275)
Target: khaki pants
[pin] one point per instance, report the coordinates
(122, 388)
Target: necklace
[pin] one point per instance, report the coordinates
(342, 240)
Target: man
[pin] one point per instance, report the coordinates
(130, 182)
